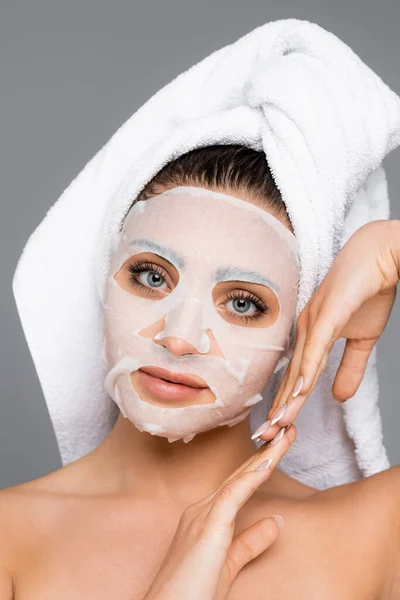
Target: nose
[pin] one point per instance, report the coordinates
(176, 345)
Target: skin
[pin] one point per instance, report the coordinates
(101, 526)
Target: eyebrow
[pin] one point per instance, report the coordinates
(223, 274)
(237, 274)
(163, 251)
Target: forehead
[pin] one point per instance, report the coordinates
(201, 210)
(221, 236)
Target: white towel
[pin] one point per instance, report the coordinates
(325, 121)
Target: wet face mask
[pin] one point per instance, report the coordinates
(204, 285)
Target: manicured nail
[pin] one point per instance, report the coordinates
(279, 519)
(280, 414)
(298, 386)
(263, 427)
(264, 465)
(278, 437)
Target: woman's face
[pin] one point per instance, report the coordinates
(199, 306)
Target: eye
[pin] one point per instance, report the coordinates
(148, 276)
(151, 278)
(242, 306)
(245, 306)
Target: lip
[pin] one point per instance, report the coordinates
(182, 378)
(149, 379)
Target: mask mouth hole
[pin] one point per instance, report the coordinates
(160, 392)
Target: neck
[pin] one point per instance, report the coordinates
(149, 466)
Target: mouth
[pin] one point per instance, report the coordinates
(170, 386)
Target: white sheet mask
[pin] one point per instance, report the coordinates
(209, 237)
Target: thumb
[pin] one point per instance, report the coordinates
(352, 368)
(251, 542)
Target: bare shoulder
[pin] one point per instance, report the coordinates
(31, 507)
(364, 518)
(16, 512)
(341, 539)
(27, 512)
(382, 500)
(24, 504)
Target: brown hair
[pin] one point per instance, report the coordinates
(230, 168)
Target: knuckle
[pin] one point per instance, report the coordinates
(226, 494)
(245, 549)
(302, 319)
(233, 565)
(285, 443)
(292, 433)
(190, 513)
(324, 362)
(313, 312)
(307, 362)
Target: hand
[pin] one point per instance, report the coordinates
(203, 559)
(354, 301)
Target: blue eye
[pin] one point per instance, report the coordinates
(242, 306)
(245, 306)
(151, 278)
(148, 276)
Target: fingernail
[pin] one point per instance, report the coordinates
(278, 437)
(279, 415)
(264, 465)
(298, 386)
(279, 519)
(263, 427)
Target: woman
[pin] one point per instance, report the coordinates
(142, 518)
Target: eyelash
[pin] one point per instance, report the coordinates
(141, 266)
(259, 304)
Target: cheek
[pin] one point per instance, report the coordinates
(151, 330)
(259, 371)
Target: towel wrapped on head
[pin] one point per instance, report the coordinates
(325, 121)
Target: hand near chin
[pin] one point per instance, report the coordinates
(354, 301)
(205, 558)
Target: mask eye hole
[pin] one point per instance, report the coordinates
(150, 276)
(246, 304)
(147, 275)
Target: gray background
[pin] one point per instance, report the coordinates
(71, 73)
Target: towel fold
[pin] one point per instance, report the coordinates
(325, 121)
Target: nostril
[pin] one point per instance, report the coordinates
(175, 345)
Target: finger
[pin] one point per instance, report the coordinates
(352, 368)
(255, 459)
(265, 451)
(277, 400)
(227, 500)
(319, 340)
(292, 368)
(291, 380)
(250, 543)
(309, 360)
(294, 405)
(288, 382)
